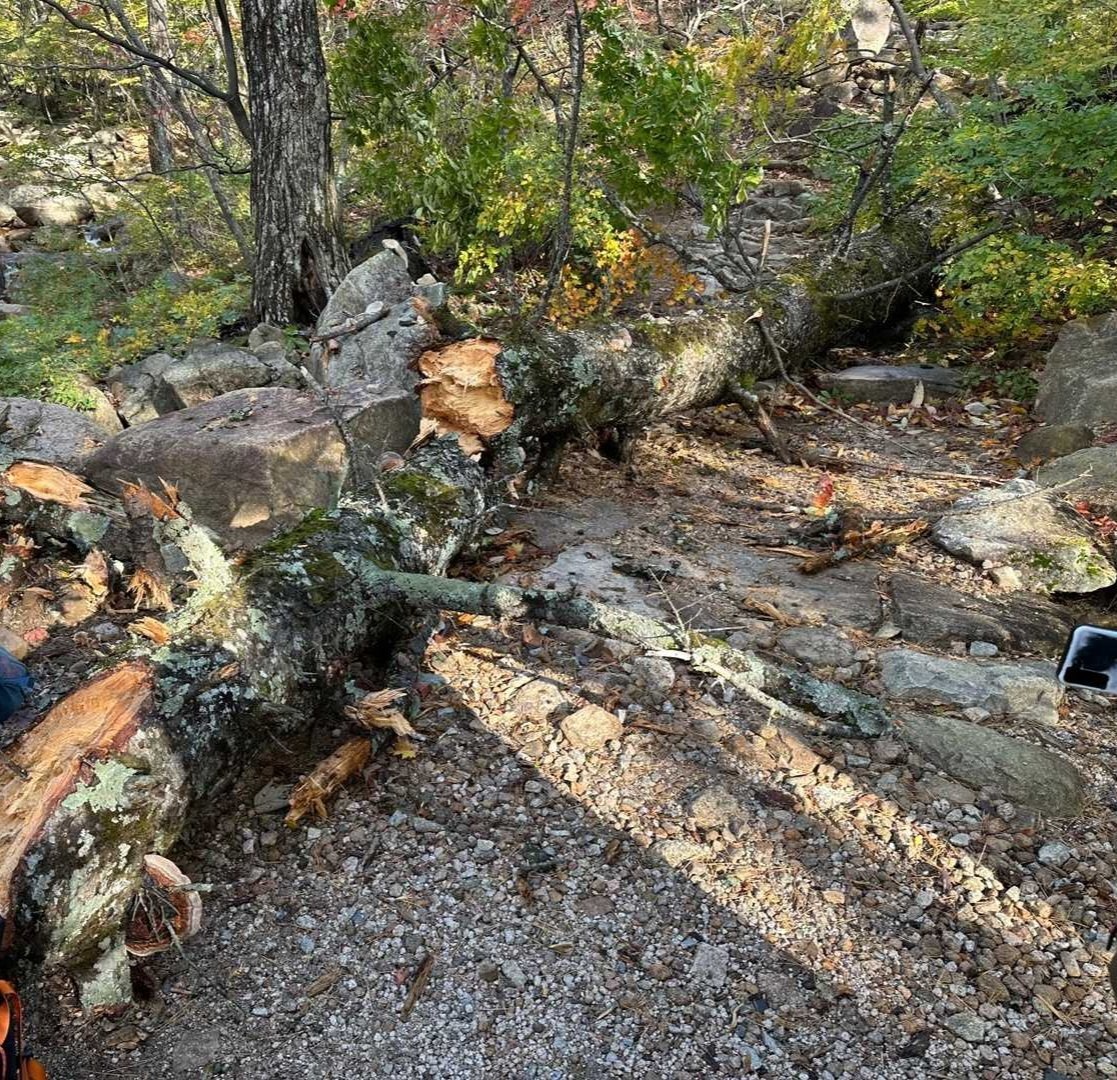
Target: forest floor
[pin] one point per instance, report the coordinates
(706, 895)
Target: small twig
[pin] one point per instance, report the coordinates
(10, 763)
(895, 467)
(756, 412)
(418, 984)
(351, 326)
(777, 355)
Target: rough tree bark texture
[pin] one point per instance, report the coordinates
(599, 377)
(300, 257)
(159, 149)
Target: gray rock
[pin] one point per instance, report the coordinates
(1054, 853)
(654, 672)
(1024, 690)
(711, 964)
(967, 1025)
(714, 808)
(48, 433)
(896, 383)
(381, 356)
(983, 649)
(1020, 527)
(1089, 474)
(869, 27)
(8, 215)
(255, 461)
(100, 408)
(1010, 768)
(932, 614)
(591, 727)
(1079, 381)
(815, 646)
(134, 387)
(39, 205)
(205, 372)
(1047, 443)
(264, 333)
(515, 975)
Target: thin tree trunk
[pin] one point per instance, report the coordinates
(160, 151)
(300, 257)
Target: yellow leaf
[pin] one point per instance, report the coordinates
(404, 748)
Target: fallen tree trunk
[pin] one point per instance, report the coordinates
(260, 650)
(633, 376)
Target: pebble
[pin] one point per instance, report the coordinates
(654, 672)
(711, 964)
(512, 971)
(591, 727)
(983, 649)
(968, 1026)
(1054, 853)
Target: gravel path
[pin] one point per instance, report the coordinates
(603, 864)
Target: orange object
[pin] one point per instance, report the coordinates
(14, 1065)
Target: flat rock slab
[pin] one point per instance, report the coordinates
(932, 614)
(1008, 768)
(48, 433)
(842, 596)
(1024, 690)
(1079, 381)
(1028, 532)
(255, 462)
(895, 383)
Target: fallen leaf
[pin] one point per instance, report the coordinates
(152, 629)
(823, 494)
(418, 983)
(326, 777)
(404, 748)
(48, 483)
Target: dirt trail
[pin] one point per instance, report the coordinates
(707, 894)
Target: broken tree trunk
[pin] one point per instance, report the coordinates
(259, 650)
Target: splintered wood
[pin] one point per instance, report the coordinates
(85, 726)
(48, 483)
(461, 392)
(326, 777)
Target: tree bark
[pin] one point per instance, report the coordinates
(160, 151)
(300, 257)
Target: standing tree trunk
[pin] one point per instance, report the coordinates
(300, 257)
(160, 152)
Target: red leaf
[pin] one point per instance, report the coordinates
(824, 493)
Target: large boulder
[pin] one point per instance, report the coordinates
(254, 462)
(892, 382)
(933, 614)
(37, 204)
(382, 355)
(1079, 381)
(213, 368)
(1007, 768)
(1052, 441)
(161, 384)
(1027, 537)
(869, 26)
(41, 431)
(134, 387)
(1023, 690)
